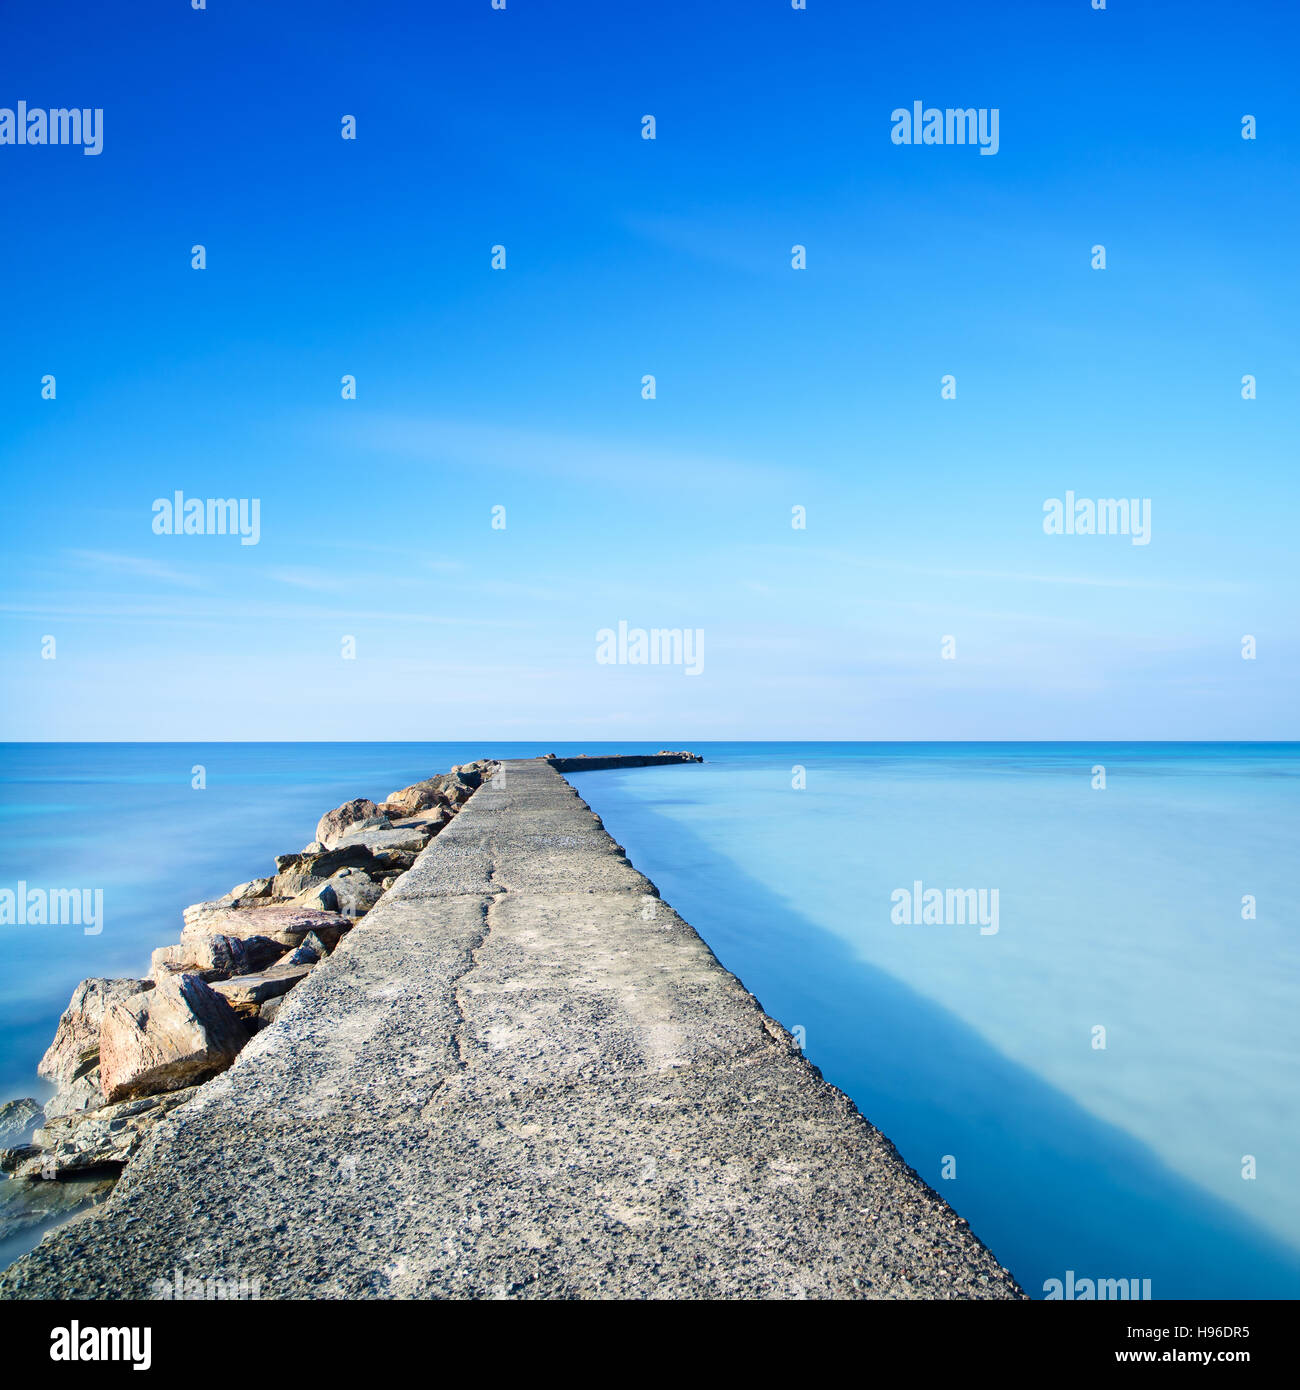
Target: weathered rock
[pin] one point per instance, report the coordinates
(417, 797)
(196, 911)
(252, 893)
(320, 898)
(376, 842)
(454, 787)
(267, 1012)
(247, 992)
(427, 823)
(11, 1160)
(313, 943)
(17, 1120)
(216, 956)
(477, 772)
(179, 1033)
(293, 884)
(458, 787)
(283, 923)
(354, 892)
(435, 819)
(350, 892)
(258, 952)
(325, 864)
(84, 1093)
(352, 814)
(392, 861)
(101, 1138)
(171, 960)
(76, 1041)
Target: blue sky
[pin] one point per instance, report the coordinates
(522, 388)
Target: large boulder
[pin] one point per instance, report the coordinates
(376, 841)
(355, 893)
(350, 892)
(320, 897)
(293, 884)
(393, 861)
(283, 923)
(243, 895)
(85, 1093)
(350, 816)
(419, 796)
(323, 863)
(177, 1034)
(17, 1120)
(478, 771)
(429, 822)
(448, 788)
(246, 992)
(76, 1041)
(11, 1160)
(458, 787)
(103, 1138)
(252, 890)
(216, 956)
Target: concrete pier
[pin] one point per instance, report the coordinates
(586, 763)
(522, 1076)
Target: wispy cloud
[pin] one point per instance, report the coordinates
(1092, 581)
(609, 462)
(136, 566)
(1087, 580)
(241, 612)
(506, 588)
(318, 581)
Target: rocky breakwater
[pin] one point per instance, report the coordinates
(128, 1052)
(585, 762)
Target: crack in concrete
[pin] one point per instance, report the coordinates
(459, 1037)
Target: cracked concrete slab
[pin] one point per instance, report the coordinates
(522, 1076)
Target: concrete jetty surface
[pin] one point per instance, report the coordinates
(522, 1076)
(584, 762)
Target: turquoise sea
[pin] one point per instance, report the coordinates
(1171, 1153)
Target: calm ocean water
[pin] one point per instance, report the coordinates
(974, 1052)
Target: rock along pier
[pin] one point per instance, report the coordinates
(522, 1076)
